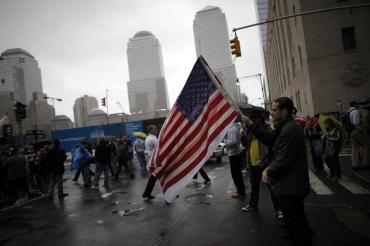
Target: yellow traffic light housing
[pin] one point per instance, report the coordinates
(103, 102)
(235, 47)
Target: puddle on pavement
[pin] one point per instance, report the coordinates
(128, 212)
(199, 199)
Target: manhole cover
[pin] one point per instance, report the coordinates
(199, 199)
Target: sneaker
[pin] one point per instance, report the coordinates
(280, 215)
(248, 208)
(148, 197)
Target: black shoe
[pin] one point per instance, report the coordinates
(207, 182)
(63, 195)
(149, 197)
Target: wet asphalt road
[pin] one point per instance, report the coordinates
(202, 215)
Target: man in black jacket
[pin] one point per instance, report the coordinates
(288, 171)
(55, 159)
(102, 161)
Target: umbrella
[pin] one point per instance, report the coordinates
(337, 123)
(301, 121)
(140, 134)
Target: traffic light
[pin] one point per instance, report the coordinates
(20, 111)
(235, 47)
(103, 102)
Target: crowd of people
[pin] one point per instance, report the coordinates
(274, 153)
(29, 171)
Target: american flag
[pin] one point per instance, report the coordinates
(193, 129)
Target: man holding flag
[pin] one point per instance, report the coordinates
(195, 126)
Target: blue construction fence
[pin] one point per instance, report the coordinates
(71, 137)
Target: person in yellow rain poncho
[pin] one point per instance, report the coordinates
(333, 140)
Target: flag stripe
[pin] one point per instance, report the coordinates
(195, 151)
(178, 137)
(175, 124)
(193, 142)
(174, 180)
(213, 100)
(181, 149)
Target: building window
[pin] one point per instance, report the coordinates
(295, 18)
(300, 55)
(3, 81)
(298, 101)
(348, 38)
(293, 66)
(21, 60)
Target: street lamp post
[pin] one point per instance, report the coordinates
(53, 99)
(120, 105)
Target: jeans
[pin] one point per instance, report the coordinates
(56, 179)
(86, 174)
(334, 166)
(295, 220)
(141, 158)
(123, 162)
(236, 173)
(149, 186)
(99, 169)
(255, 178)
(203, 174)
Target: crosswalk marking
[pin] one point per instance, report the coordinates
(351, 186)
(319, 187)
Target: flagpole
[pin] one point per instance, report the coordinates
(219, 85)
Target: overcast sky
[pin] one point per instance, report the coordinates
(80, 45)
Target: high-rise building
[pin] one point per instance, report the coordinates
(147, 89)
(320, 61)
(82, 108)
(20, 74)
(261, 13)
(262, 10)
(211, 37)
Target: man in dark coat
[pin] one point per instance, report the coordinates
(288, 171)
(102, 161)
(55, 159)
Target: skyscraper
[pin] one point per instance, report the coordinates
(20, 74)
(211, 37)
(147, 90)
(82, 108)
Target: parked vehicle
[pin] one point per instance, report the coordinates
(220, 151)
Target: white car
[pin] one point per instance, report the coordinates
(220, 151)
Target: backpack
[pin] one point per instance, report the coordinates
(347, 121)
